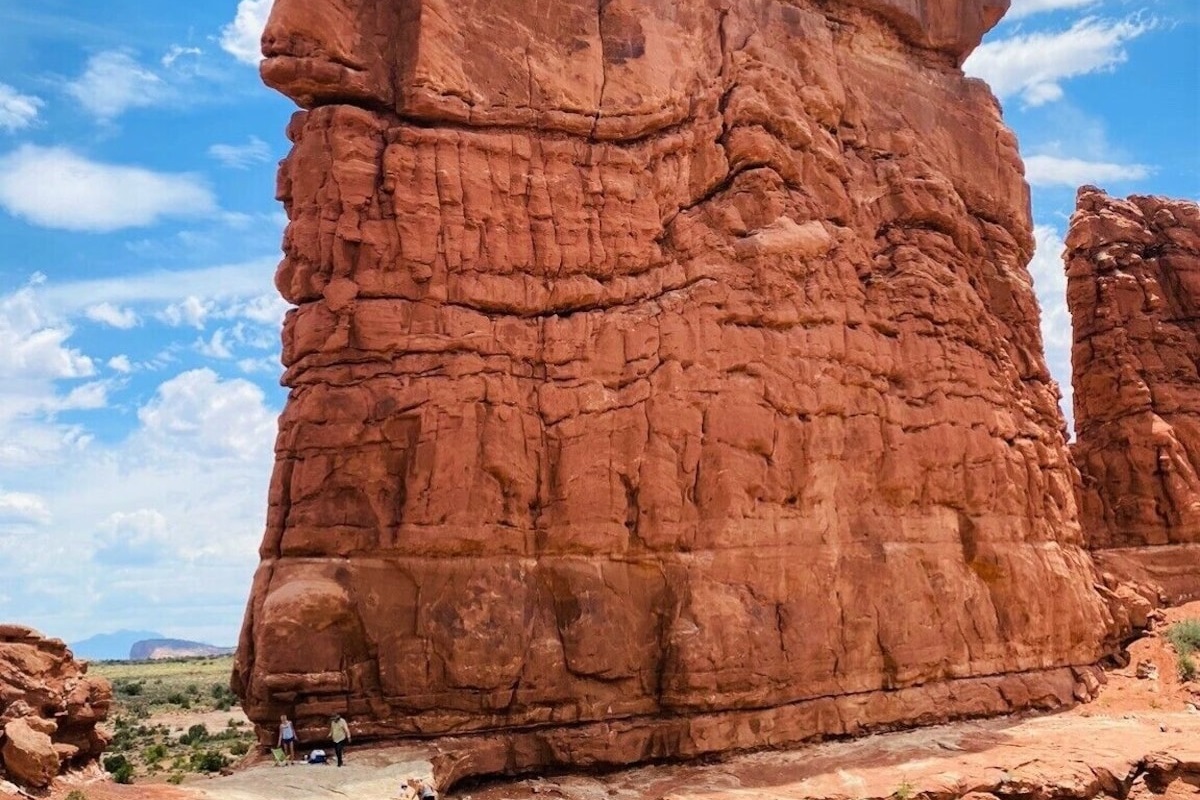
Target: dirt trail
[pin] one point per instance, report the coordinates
(1139, 739)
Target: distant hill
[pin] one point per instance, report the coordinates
(159, 648)
(110, 646)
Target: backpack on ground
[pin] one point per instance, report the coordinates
(316, 757)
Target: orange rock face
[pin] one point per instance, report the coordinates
(1133, 271)
(49, 708)
(665, 378)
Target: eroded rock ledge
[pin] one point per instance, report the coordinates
(663, 372)
(49, 708)
(1133, 272)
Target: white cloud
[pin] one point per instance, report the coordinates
(135, 538)
(108, 314)
(175, 52)
(1034, 65)
(17, 111)
(188, 488)
(205, 415)
(267, 365)
(88, 397)
(34, 347)
(190, 311)
(265, 309)
(241, 156)
(56, 188)
(23, 507)
(1025, 8)
(115, 82)
(185, 290)
(1048, 170)
(35, 364)
(242, 38)
(216, 346)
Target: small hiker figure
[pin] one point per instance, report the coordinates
(287, 738)
(339, 732)
(419, 789)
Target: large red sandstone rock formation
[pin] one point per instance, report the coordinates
(49, 708)
(665, 379)
(1133, 272)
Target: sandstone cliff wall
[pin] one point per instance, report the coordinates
(49, 708)
(665, 378)
(1133, 272)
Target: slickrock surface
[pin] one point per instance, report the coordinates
(1140, 739)
(49, 708)
(1133, 286)
(665, 379)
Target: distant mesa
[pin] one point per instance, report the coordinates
(141, 646)
(113, 646)
(157, 649)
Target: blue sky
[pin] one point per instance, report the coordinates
(139, 327)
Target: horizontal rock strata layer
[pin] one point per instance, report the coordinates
(1133, 272)
(655, 361)
(49, 708)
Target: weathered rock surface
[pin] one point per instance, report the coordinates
(665, 379)
(49, 707)
(1133, 287)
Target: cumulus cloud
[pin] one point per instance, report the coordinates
(1025, 8)
(89, 396)
(182, 290)
(17, 111)
(241, 156)
(216, 346)
(190, 311)
(120, 364)
(134, 538)
(1034, 65)
(23, 507)
(110, 315)
(187, 489)
(208, 416)
(33, 346)
(1047, 170)
(38, 369)
(242, 38)
(54, 187)
(114, 82)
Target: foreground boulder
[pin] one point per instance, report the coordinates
(49, 708)
(665, 380)
(1133, 287)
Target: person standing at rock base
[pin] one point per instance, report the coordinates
(339, 732)
(287, 737)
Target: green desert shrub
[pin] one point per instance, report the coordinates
(209, 761)
(1185, 638)
(119, 767)
(1186, 666)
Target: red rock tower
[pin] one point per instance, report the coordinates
(1133, 287)
(665, 378)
